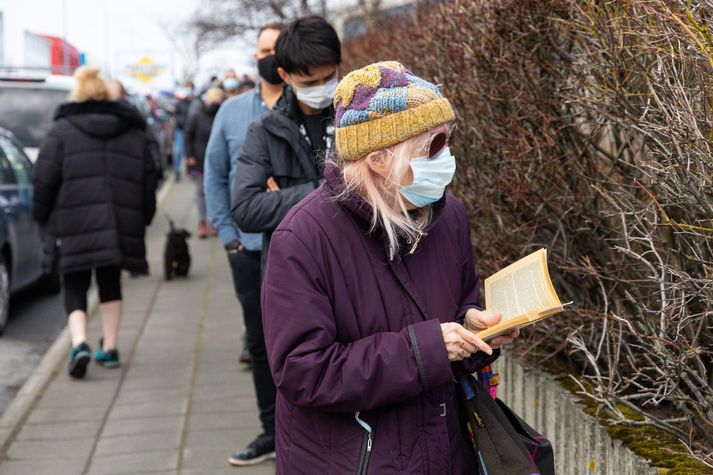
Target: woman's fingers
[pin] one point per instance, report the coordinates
(461, 343)
(480, 320)
(474, 340)
(466, 345)
(505, 339)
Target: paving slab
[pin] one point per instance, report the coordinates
(51, 449)
(69, 466)
(52, 432)
(224, 420)
(134, 463)
(266, 468)
(130, 444)
(148, 409)
(66, 414)
(227, 439)
(146, 425)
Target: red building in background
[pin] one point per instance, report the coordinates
(59, 48)
(49, 52)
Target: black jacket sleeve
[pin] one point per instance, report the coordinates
(151, 153)
(46, 179)
(253, 208)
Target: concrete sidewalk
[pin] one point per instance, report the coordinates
(181, 402)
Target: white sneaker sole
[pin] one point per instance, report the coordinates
(255, 461)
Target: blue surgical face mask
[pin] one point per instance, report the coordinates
(230, 84)
(430, 178)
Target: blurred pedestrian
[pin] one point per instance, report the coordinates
(95, 183)
(230, 83)
(117, 91)
(282, 159)
(185, 97)
(370, 296)
(243, 249)
(196, 135)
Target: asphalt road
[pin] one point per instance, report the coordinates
(35, 320)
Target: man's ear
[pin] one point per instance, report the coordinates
(284, 75)
(377, 163)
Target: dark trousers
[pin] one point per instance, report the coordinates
(245, 266)
(76, 285)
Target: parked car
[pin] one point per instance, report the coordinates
(27, 106)
(21, 239)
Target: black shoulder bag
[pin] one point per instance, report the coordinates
(503, 443)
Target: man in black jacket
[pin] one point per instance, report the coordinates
(282, 158)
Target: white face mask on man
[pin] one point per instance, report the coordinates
(317, 97)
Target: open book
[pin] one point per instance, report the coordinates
(522, 293)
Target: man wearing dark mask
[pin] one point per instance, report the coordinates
(244, 249)
(282, 159)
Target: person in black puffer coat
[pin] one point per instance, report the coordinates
(196, 135)
(95, 184)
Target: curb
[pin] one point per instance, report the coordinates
(31, 391)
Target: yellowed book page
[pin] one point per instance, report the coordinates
(522, 288)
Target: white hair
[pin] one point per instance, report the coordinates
(383, 193)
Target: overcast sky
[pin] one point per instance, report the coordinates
(110, 30)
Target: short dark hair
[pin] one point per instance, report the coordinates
(275, 25)
(306, 42)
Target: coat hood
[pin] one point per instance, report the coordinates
(104, 119)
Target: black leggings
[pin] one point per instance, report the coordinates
(76, 285)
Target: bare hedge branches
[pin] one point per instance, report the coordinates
(587, 127)
(221, 20)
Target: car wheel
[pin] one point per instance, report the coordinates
(51, 283)
(4, 294)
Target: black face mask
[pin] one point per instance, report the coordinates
(267, 68)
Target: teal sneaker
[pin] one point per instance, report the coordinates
(107, 358)
(79, 358)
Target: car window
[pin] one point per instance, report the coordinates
(7, 177)
(20, 164)
(27, 112)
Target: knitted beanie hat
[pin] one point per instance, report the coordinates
(382, 105)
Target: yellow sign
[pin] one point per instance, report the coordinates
(146, 69)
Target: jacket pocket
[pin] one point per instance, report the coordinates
(366, 445)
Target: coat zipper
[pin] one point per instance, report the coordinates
(366, 445)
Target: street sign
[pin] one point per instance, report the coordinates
(145, 69)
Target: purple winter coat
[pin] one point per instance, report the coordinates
(354, 340)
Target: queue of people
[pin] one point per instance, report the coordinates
(353, 266)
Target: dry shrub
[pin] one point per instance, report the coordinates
(585, 127)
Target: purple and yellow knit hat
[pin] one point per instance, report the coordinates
(383, 104)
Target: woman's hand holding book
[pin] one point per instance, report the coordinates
(478, 320)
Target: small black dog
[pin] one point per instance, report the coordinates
(176, 256)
